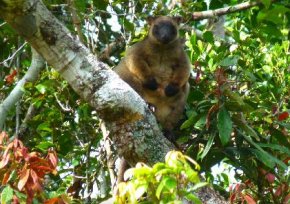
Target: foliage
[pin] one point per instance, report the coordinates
(168, 182)
(237, 111)
(23, 172)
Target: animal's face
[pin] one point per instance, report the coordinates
(163, 29)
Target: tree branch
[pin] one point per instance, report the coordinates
(31, 75)
(76, 20)
(132, 126)
(223, 11)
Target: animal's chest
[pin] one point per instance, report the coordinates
(162, 67)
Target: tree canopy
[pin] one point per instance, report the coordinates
(59, 97)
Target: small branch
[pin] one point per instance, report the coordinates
(32, 110)
(89, 189)
(64, 108)
(222, 11)
(13, 55)
(31, 75)
(2, 24)
(76, 20)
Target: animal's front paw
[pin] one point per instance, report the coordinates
(171, 90)
(151, 84)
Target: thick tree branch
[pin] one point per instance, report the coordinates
(223, 11)
(132, 126)
(31, 75)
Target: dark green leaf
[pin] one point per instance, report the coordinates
(224, 125)
(208, 36)
(208, 146)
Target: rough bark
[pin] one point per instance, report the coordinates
(132, 126)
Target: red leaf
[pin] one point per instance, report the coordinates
(52, 159)
(213, 109)
(283, 116)
(5, 159)
(5, 178)
(232, 197)
(44, 168)
(17, 143)
(23, 178)
(270, 177)
(10, 78)
(249, 199)
(15, 200)
(286, 161)
(3, 137)
(51, 201)
(36, 181)
(34, 176)
(287, 199)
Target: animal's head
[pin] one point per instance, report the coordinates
(163, 29)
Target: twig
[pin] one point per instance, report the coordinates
(14, 54)
(31, 75)
(89, 189)
(2, 24)
(222, 11)
(32, 110)
(63, 107)
(109, 154)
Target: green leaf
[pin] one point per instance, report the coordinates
(140, 190)
(170, 183)
(266, 3)
(190, 122)
(264, 156)
(192, 176)
(193, 198)
(242, 124)
(158, 166)
(6, 195)
(129, 25)
(159, 189)
(41, 88)
(44, 127)
(44, 145)
(224, 125)
(208, 36)
(167, 182)
(276, 147)
(273, 15)
(207, 147)
(229, 61)
(101, 4)
(198, 185)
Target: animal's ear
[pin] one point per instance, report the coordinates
(178, 19)
(150, 19)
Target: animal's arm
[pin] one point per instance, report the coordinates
(139, 67)
(181, 72)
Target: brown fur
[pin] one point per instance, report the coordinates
(153, 60)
